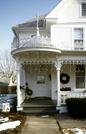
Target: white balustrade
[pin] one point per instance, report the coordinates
(71, 94)
(35, 41)
(78, 45)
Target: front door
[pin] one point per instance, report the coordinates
(40, 83)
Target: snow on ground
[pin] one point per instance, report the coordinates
(9, 125)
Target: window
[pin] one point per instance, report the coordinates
(83, 9)
(40, 80)
(78, 38)
(80, 76)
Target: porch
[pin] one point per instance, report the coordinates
(44, 79)
(37, 105)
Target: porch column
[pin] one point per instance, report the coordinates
(58, 67)
(18, 86)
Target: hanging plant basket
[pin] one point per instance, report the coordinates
(64, 78)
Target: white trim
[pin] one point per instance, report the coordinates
(80, 10)
(20, 50)
(19, 108)
(72, 59)
(73, 37)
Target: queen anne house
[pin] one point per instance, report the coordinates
(50, 54)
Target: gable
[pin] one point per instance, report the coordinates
(54, 12)
(66, 10)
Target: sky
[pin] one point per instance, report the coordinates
(13, 12)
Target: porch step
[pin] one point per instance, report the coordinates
(39, 105)
(39, 109)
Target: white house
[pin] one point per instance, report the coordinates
(50, 53)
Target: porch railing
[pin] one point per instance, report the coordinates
(71, 94)
(78, 45)
(32, 42)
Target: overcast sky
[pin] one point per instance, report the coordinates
(13, 12)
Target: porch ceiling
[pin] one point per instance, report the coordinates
(43, 68)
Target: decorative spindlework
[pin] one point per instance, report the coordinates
(36, 58)
(73, 60)
(58, 64)
(37, 67)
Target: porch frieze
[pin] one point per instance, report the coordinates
(73, 60)
(36, 62)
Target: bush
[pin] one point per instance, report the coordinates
(4, 89)
(76, 107)
(12, 89)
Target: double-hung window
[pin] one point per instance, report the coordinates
(83, 9)
(78, 38)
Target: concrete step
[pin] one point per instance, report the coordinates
(26, 105)
(39, 109)
(39, 112)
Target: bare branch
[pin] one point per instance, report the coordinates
(7, 66)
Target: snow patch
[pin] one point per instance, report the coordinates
(9, 125)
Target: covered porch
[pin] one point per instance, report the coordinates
(72, 79)
(39, 76)
(44, 79)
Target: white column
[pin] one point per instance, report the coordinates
(18, 86)
(58, 67)
(58, 87)
(85, 76)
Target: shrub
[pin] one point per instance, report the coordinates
(12, 89)
(4, 89)
(76, 107)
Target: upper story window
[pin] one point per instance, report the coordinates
(78, 38)
(83, 9)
